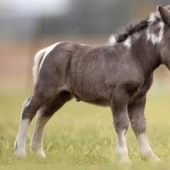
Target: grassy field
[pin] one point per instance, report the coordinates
(81, 136)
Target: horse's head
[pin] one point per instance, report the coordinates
(165, 43)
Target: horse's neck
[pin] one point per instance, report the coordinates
(146, 53)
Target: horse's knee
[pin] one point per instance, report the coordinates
(30, 108)
(121, 123)
(138, 125)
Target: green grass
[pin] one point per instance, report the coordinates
(81, 136)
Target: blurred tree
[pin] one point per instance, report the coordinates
(83, 18)
(88, 18)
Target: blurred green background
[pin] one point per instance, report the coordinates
(27, 26)
(80, 136)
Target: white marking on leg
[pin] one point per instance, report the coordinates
(127, 42)
(112, 40)
(121, 147)
(36, 141)
(145, 149)
(20, 141)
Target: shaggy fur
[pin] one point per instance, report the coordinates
(116, 75)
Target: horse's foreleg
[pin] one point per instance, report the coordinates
(138, 123)
(119, 109)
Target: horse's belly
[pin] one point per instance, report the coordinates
(92, 96)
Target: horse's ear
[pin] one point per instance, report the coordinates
(167, 7)
(165, 14)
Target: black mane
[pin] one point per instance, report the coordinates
(134, 27)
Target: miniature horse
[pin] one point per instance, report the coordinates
(117, 74)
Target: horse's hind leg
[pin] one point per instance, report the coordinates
(44, 114)
(29, 109)
(138, 123)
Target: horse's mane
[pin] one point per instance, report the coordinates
(134, 27)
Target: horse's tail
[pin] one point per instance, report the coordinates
(37, 61)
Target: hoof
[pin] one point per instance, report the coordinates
(19, 152)
(156, 159)
(40, 153)
(126, 161)
(151, 157)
